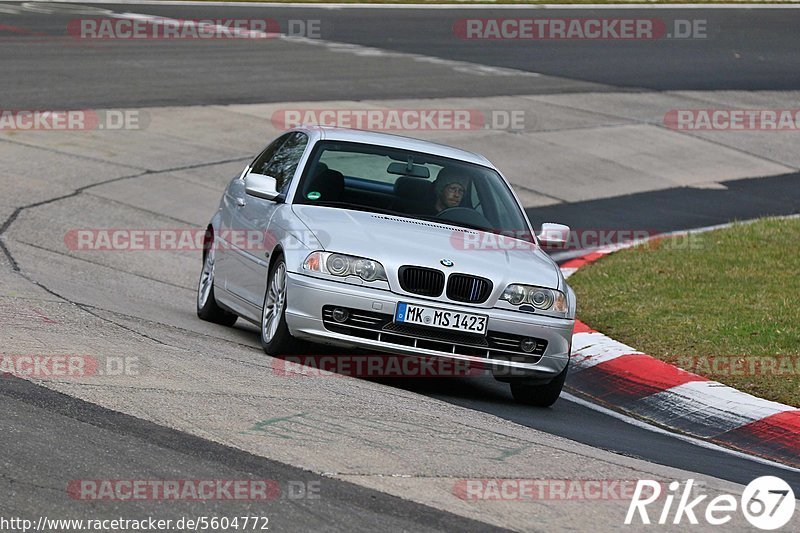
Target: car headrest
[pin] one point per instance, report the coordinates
(329, 183)
(319, 169)
(413, 196)
(410, 187)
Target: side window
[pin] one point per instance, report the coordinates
(261, 162)
(284, 163)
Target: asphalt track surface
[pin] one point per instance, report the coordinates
(747, 50)
(743, 49)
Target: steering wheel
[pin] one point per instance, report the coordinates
(465, 215)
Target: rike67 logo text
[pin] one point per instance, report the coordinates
(767, 503)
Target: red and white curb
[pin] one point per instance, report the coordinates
(613, 374)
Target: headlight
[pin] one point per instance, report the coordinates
(539, 297)
(515, 294)
(345, 265)
(338, 265)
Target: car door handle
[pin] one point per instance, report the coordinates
(240, 202)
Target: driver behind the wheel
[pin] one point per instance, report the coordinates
(450, 187)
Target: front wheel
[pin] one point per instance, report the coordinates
(207, 307)
(539, 395)
(275, 336)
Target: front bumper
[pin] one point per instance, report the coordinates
(307, 295)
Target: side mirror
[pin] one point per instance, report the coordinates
(261, 186)
(553, 234)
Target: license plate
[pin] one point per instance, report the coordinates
(441, 318)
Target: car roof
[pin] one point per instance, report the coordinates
(331, 133)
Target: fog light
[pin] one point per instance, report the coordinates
(340, 315)
(528, 345)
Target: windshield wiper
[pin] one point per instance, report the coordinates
(456, 224)
(370, 209)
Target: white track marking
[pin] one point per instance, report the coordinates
(458, 66)
(712, 395)
(355, 49)
(61, 8)
(568, 272)
(590, 349)
(691, 440)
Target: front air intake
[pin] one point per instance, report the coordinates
(469, 289)
(422, 281)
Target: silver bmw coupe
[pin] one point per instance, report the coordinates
(367, 240)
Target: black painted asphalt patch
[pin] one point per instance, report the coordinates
(52, 443)
(679, 208)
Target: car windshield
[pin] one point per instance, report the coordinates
(410, 184)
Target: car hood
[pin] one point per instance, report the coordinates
(396, 241)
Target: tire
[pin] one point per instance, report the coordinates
(207, 307)
(539, 395)
(275, 336)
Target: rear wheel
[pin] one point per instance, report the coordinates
(539, 395)
(207, 307)
(275, 336)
